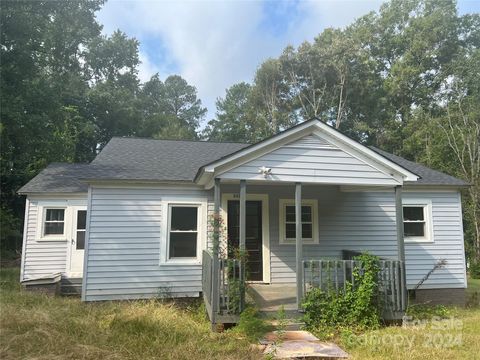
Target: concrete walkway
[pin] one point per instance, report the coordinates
(299, 344)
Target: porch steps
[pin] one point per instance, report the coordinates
(292, 320)
(286, 324)
(71, 286)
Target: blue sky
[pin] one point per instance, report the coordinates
(214, 44)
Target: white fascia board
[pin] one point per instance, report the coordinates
(45, 195)
(146, 185)
(123, 182)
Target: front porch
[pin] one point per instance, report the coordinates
(339, 224)
(306, 194)
(270, 298)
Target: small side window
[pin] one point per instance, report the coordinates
(414, 221)
(417, 221)
(54, 223)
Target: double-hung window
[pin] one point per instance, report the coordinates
(309, 219)
(183, 231)
(417, 221)
(53, 223)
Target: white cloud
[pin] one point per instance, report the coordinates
(215, 44)
(146, 68)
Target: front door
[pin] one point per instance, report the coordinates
(253, 241)
(77, 243)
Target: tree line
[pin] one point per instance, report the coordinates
(66, 89)
(405, 78)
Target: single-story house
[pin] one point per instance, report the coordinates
(135, 222)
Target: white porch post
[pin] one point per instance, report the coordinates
(242, 240)
(401, 243)
(215, 252)
(298, 243)
(242, 223)
(399, 222)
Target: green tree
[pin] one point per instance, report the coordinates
(231, 122)
(404, 78)
(181, 101)
(66, 89)
(42, 86)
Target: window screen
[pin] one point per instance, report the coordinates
(183, 232)
(414, 221)
(54, 222)
(307, 223)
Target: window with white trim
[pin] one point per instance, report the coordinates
(183, 231)
(417, 225)
(54, 222)
(309, 221)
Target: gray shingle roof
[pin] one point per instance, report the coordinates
(427, 176)
(162, 160)
(58, 178)
(170, 160)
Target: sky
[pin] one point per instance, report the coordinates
(214, 44)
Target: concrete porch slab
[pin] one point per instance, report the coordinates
(270, 298)
(299, 344)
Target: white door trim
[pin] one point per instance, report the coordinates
(73, 235)
(265, 227)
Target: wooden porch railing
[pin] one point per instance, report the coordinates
(223, 292)
(334, 275)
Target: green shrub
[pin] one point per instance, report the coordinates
(354, 307)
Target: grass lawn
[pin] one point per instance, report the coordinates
(42, 327)
(456, 337)
(473, 285)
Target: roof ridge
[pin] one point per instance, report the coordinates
(178, 140)
(67, 163)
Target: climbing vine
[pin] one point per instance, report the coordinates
(355, 307)
(218, 236)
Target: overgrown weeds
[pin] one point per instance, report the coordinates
(42, 327)
(251, 325)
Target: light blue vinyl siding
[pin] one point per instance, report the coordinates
(124, 246)
(365, 221)
(125, 228)
(448, 243)
(311, 159)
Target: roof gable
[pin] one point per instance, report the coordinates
(311, 159)
(314, 127)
